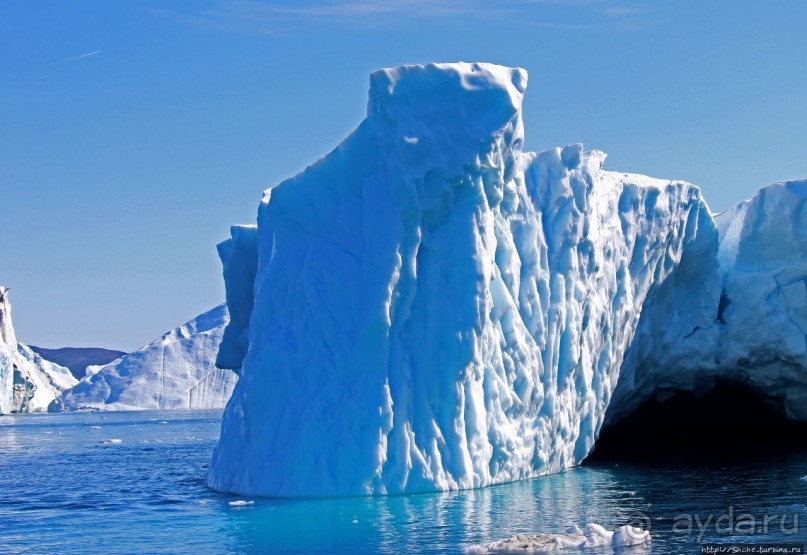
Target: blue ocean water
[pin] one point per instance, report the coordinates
(65, 487)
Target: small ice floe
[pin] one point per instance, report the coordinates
(163, 421)
(240, 503)
(113, 441)
(355, 519)
(95, 427)
(630, 535)
(593, 535)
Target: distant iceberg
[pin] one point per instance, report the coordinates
(28, 382)
(176, 371)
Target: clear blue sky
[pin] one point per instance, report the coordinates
(132, 134)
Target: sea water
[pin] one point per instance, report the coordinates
(134, 483)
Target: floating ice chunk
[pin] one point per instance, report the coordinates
(240, 503)
(113, 441)
(596, 535)
(537, 543)
(593, 535)
(629, 535)
(95, 427)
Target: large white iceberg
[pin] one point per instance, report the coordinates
(28, 382)
(433, 308)
(176, 371)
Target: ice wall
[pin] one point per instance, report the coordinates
(8, 345)
(239, 258)
(746, 326)
(763, 261)
(434, 308)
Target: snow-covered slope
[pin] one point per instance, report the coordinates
(434, 308)
(28, 382)
(175, 372)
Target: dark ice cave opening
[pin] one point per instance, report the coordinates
(731, 422)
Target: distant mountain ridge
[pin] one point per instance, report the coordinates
(77, 359)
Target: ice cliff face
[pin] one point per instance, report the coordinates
(763, 262)
(239, 259)
(429, 307)
(28, 383)
(8, 344)
(175, 372)
(747, 322)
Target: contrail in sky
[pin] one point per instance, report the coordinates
(87, 55)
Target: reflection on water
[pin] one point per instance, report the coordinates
(446, 521)
(60, 486)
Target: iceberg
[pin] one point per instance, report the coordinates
(176, 371)
(430, 307)
(28, 382)
(763, 264)
(755, 288)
